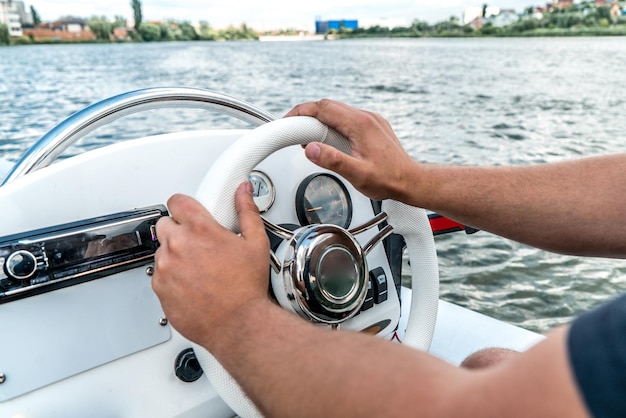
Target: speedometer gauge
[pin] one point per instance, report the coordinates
(263, 190)
(323, 199)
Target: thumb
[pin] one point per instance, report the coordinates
(250, 223)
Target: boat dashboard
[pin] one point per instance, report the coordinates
(77, 241)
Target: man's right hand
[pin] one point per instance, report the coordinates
(379, 166)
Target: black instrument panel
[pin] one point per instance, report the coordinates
(51, 258)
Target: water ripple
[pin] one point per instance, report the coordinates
(459, 101)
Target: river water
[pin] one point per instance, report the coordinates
(461, 101)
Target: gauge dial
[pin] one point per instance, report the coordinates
(323, 199)
(263, 190)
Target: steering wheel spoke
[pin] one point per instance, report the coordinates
(277, 230)
(375, 221)
(382, 234)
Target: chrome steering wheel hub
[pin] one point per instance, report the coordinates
(324, 272)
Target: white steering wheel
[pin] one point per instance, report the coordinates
(217, 191)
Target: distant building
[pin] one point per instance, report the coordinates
(562, 4)
(9, 15)
(538, 13)
(65, 29)
(471, 13)
(506, 17)
(323, 26)
(70, 24)
(476, 23)
(15, 16)
(120, 34)
(26, 17)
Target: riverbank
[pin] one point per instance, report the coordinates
(540, 32)
(554, 25)
(536, 33)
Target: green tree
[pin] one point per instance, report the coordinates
(188, 32)
(100, 27)
(136, 5)
(150, 32)
(377, 30)
(5, 38)
(119, 22)
(590, 20)
(604, 12)
(206, 32)
(167, 34)
(36, 18)
(587, 5)
(232, 33)
(420, 26)
(248, 33)
(488, 29)
(529, 24)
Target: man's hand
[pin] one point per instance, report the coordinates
(379, 167)
(205, 273)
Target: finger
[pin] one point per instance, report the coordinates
(250, 222)
(313, 108)
(185, 208)
(164, 228)
(331, 158)
(302, 109)
(159, 275)
(340, 116)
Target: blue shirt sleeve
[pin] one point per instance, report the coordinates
(597, 352)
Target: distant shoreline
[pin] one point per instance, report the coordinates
(536, 33)
(540, 32)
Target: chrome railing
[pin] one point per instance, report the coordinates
(81, 123)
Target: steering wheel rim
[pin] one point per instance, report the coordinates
(216, 192)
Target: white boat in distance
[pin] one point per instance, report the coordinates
(83, 333)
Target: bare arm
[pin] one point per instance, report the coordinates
(576, 207)
(291, 368)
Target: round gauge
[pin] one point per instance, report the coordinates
(263, 190)
(323, 199)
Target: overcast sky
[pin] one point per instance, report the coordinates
(262, 14)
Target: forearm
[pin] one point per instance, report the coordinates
(576, 207)
(293, 368)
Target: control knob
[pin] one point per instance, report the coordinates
(21, 265)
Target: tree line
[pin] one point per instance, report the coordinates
(579, 19)
(170, 30)
(583, 18)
